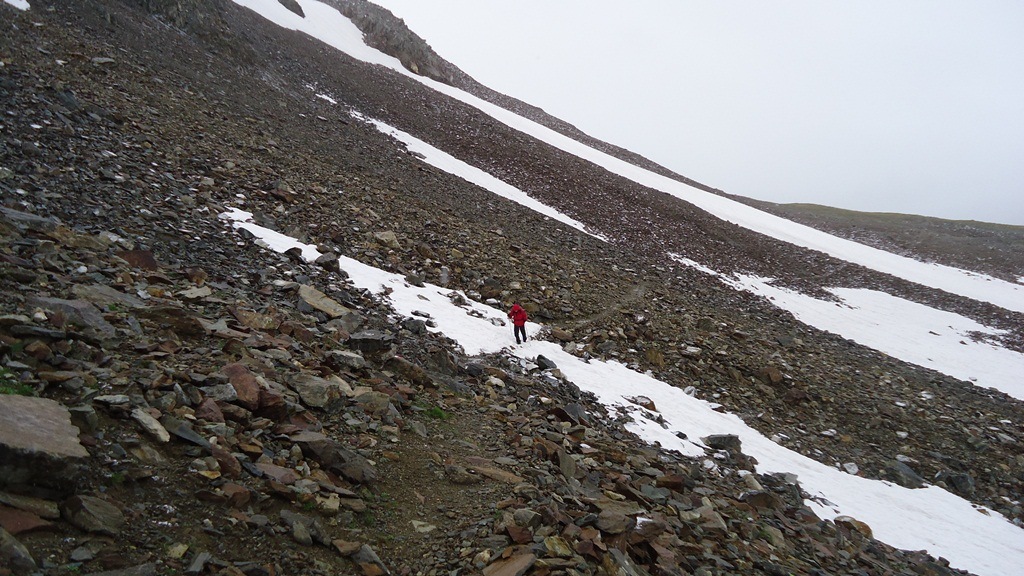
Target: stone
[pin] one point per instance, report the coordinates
(481, 466)
(84, 418)
(729, 442)
(904, 475)
(526, 518)
(244, 382)
(256, 320)
(220, 393)
(959, 482)
(309, 526)
(209, 411)
(557, 546)
(327, 260)
(566, 464)
(27, 221)
(13, 554)
(180, 321)
(409, 371)
(316, 392)
(613, 522)
(142, 259)
(151, 425)
(369, 562)
(38, 443)
(229, 465)
(38, 506)
(238, 496)
(771, 375)
(320, 301)
(371, 341)
(388, 238)
(184, 430)
(618, 563)
(196, 293)
(81, 313)
(853, 524)
(346, 547)
(763, 500)
(300, 533)
(93, 515)
(277, 473)
(106, 297)
(373, 403)
(460, 475)
(423, 527)
(544, 363)
(561, 335)
(515, 565)
(38, 425)
(273, 405)
(199, 562)
(148, 569)
(16, 521)
(346, 359)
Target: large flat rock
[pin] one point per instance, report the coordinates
(38, 425)
(38, 444)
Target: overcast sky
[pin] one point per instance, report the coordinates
(915, 106)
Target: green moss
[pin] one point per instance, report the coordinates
(10, 385)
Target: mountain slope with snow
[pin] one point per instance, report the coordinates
(640, 284)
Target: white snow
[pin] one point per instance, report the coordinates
(329, 26)
(970, 537)
(912, 332)
(474, 175)
(19, 4)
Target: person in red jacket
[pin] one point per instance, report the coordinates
(518, 317)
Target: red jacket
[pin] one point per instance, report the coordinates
(518, 315)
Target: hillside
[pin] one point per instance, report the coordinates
(239, 411)
(993, 249)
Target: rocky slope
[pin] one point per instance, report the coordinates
(239, 411)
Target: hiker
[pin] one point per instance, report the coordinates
(518, 317)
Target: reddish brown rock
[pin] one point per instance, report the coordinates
(142, 259)
(516, 565)
(272, 405)
(229, 465)
(278, 473)
(238, 496)
(17, 521)
(245, 385)
(209, 410)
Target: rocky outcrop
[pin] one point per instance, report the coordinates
(389, 34)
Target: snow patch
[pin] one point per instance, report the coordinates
(474, 175)
(936, 339)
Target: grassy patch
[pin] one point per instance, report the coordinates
(437, 413)
(10, 385)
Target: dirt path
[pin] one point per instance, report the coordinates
(637, 293)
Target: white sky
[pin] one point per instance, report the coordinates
(912, 107)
